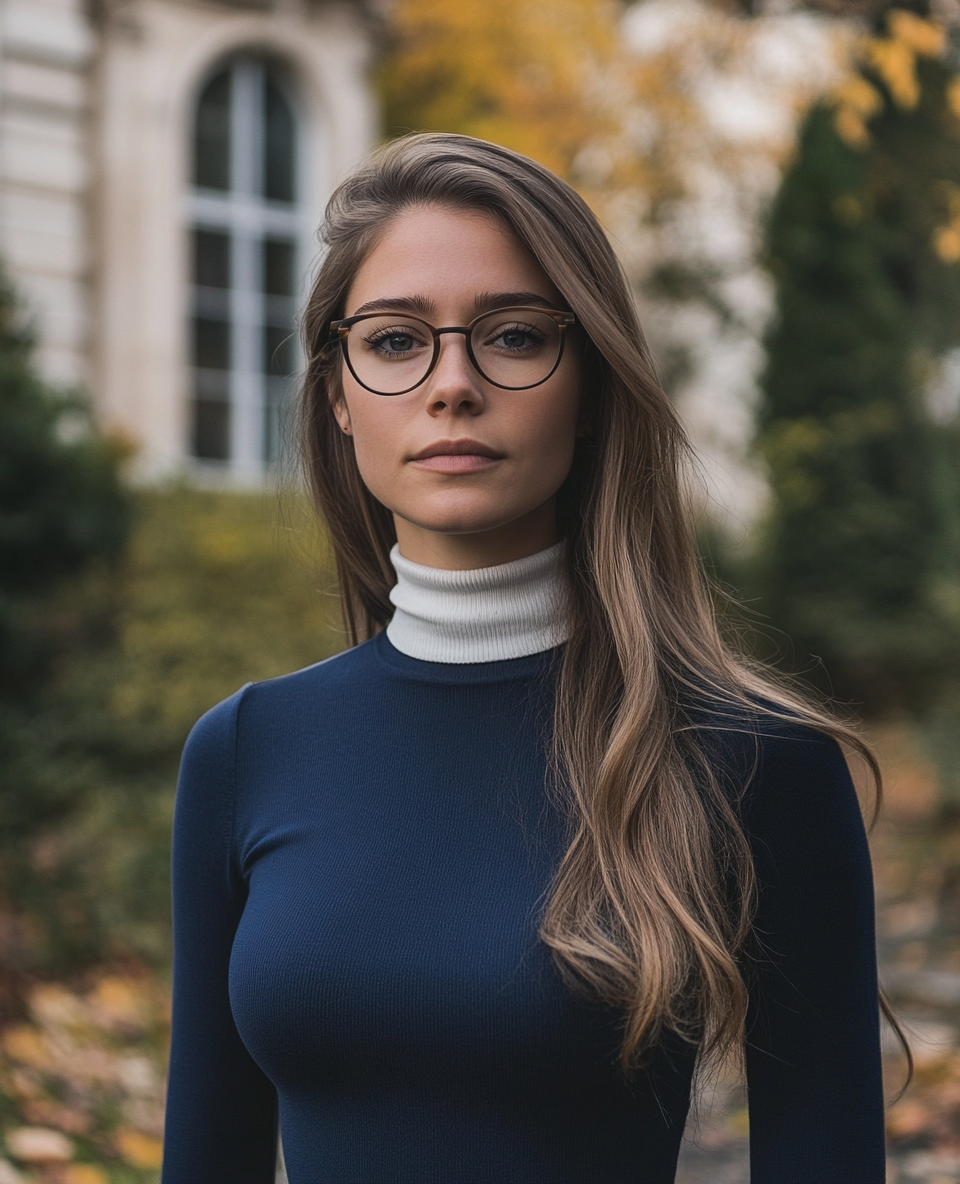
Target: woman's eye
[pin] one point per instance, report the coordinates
(517, 338)
(392, 342)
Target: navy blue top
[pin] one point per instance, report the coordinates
(361, 855)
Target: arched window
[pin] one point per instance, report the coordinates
(245, 228)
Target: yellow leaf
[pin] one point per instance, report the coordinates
(139, 1150)
(83, 1173)
(895, 62)
(923, 37)
(953, 96)
(857, 93)
(25, 1045)
(946, 242)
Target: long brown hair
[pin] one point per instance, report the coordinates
(652, 904)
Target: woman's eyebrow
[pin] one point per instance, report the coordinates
(493, 300)
(421, 306)
(416, 304)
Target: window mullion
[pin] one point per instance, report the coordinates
(247, 379)
(247, 129)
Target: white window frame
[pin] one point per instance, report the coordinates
(248, 218)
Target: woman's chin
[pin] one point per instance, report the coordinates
(463, 519)
(460, 525)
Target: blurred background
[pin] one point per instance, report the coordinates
(782, 183)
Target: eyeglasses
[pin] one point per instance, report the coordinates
(512, 348)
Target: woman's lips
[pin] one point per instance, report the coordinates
(457, 456)
(450, 462)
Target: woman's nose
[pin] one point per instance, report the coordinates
(454, 385)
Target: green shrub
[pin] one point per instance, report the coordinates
(216, 590)
(64, 515)
(62, 507)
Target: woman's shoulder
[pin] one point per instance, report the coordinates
(767, 757)
(750, 724)
(331, 681)
(346, 673)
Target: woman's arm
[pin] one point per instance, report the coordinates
(221, 1110)
(813, 1049)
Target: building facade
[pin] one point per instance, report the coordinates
(163, 168)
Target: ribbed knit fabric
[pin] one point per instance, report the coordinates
(361, 855)
(487, 614)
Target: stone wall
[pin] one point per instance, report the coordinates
(47, 50)
(95, 116)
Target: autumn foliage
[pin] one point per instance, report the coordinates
(552, 79)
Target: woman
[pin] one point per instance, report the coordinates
(474, 898)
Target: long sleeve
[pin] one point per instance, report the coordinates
(221, 1109)
(813, 1051)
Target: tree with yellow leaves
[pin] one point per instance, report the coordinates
(549, 78)
(511, 71)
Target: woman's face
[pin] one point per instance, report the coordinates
(469, 471)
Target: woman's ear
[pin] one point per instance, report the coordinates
(342, 415)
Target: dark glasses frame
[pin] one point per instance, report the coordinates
(340, 331)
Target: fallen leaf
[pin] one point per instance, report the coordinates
(138, 1149)
(25, 1045)
(84, 1173)
(907, 1119)
(119, 1002)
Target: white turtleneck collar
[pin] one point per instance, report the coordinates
(485, 615)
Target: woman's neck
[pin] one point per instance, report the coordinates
(486, 614)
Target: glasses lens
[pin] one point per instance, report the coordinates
(390, 354)
(516, 347)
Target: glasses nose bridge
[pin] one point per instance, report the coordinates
(466, 332)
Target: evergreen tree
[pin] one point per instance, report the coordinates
(62, 506)
(861, 557)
